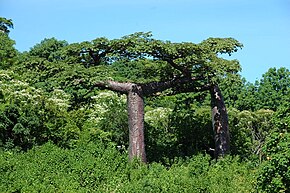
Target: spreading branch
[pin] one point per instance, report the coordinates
(184, 71)
(114, 86)
(152, 87)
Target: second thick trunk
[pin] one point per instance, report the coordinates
(136, 125)
(220, 122)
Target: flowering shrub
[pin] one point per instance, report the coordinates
(158, 118)
(248, 131)
(28, 116)
(107, 118)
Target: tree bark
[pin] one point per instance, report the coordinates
(120, 87)
(220, 122)
(136, 124)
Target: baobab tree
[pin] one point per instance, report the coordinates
(188, 67)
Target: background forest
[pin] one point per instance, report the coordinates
(59, 133)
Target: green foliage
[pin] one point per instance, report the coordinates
(76, 80)
(281, 118)
(267, 93)
(95, 167)
(142, 70)
(46, 48)
(7, 51)
(75, 137)
(248, 131)
(178, 131)
(19, 130)
(222, 45)
(107, 118)
(247, 97)
(186, 129)
(5, 24)
(197, 174)
(90, 167)
(232, 87)
(274, 173)
(173, 59)
(30, 117)
(273, 88)
(160, 138)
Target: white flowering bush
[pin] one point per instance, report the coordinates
(103, 103)
(107, 117)
(13, 90)
(30, 116)
(158, 118)
(249, 130)
(59, 100)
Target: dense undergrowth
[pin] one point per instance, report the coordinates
(95, 167)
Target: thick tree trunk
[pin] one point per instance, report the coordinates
(136, 124)
(220, 122)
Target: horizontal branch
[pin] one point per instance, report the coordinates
(147, 89)
(115, 86)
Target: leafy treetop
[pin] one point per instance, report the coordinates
(5, 24)
(184, 59)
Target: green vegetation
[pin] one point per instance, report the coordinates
(102, 168)
(59, 132)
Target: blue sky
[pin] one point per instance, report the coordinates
(263, 26)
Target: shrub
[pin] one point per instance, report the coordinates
(28, 116)
(274, 173)
(100, 167)
(48, 168)
(248, 131)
